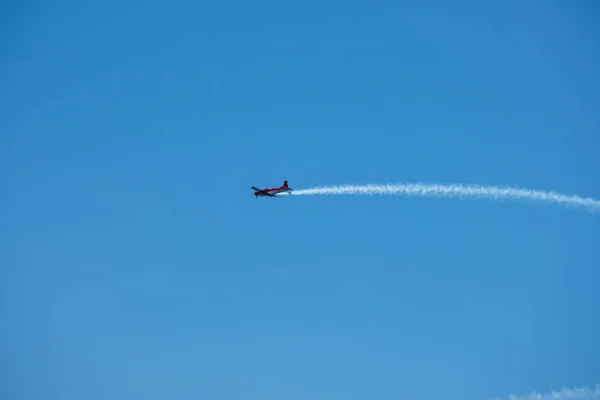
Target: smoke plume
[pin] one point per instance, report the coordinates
(455, 191)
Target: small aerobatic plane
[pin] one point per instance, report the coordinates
(271, 192)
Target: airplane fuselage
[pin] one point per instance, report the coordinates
(270, 192)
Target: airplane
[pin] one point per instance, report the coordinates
(271, 192)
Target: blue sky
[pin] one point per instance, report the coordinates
(135, 261)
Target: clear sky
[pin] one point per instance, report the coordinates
(136, 263)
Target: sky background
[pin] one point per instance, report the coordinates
(136, 263)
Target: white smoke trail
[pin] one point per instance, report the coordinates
(454, 191)
(580, 393)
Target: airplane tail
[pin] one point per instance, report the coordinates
(285, 184)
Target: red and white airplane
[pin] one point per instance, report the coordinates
(273, 192)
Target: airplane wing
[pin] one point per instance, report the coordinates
(255, 188)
